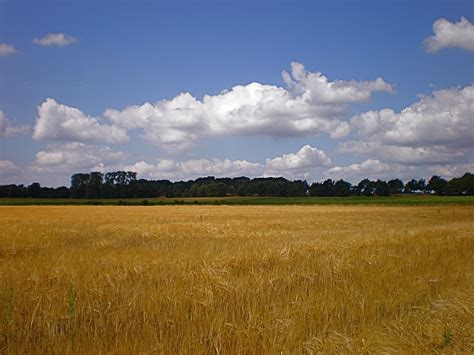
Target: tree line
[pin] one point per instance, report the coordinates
(124, 184)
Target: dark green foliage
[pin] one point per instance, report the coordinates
(124, 185)
(381, 188)
(461, 186)
(415, 186)
(366, 188)
(438, 185)
(404, 199)
(324, 189)
(342, 188)
(395, 186)
(34, 190)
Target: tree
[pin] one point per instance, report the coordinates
(395, 186)
(437, 184)
(381, 188)
(94, 185)
(461, 186)
(34, 190)
(61, 192)
(79, 185)
(324, 189)
(342, 188)
(415, 186)
(366, 188)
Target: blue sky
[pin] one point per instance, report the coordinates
(126, 53)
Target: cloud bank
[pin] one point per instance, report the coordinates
(437, 129)
(436, 132)
(372, 169)
(77, 156)
(310, 105)
(294, 165)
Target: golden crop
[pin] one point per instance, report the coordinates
(236, 280)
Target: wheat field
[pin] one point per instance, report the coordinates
(236, 279)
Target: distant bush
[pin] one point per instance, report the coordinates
(95, 203)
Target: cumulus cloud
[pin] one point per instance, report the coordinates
(444, 118)
(448, 34)
(55, 39)
(168, 169)
(7, 49)
(297, 164)
(74, 156)
(7, 129)
(319, 90)
(309, 106)
(403, 155)
(7, 167)
(64, 123)
(450, 171)
(10, 172)
(372, 169)
(294, 165)
(437, 129)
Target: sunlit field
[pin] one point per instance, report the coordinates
(236, 279)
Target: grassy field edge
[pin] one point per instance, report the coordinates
(353, 200)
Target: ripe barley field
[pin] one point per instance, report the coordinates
(236, 279)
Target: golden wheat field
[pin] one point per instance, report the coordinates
(236, 279)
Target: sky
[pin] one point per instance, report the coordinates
(182, 89)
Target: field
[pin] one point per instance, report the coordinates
(236, 279)
(250, 201)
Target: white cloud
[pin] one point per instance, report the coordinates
(10, 173)
(437, 129)
(403, 155)
(7, 129)
(448, 34)
(7, 49)
(143, 169)
(74, 157)
(445, 118)
(436, 132)
(452, 171)
(55, 39)
(311, 105)
(294, 165)
(190, 169)
(299, 163)
(7, 167)
(219, 167)
(317, 89)
(371, 169)
(55, 164)
(64, 123)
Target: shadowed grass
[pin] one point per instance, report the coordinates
(246, 201)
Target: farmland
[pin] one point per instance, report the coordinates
(236, 279)
(249, 200)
